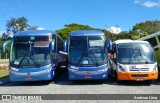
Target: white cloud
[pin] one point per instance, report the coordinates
(115, 30)
(40, 28)
(148, 3)
(151, 4)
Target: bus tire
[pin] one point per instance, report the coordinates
(148, 82)
(74, 81)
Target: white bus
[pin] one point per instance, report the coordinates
(133, 60)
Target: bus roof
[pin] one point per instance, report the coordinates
(129, 41)
(86, 33)
(149, 36)
(35, 33)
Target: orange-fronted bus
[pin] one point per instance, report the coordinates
(133, 60)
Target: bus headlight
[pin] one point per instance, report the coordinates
(121, 67)
(103, 70)
(47, 70)
(72, 70)
(155, 68)
(14, 69)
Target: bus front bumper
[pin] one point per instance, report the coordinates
(31, 76)
(136, 76)
(77, 76)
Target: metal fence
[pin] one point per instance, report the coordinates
(4, 55)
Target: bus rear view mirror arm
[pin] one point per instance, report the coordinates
(4, 45)
(109, 44)
(65, 45)
(52, 45)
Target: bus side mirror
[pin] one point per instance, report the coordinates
(52, 44)
(155, 49)
(109, 45)
(4, 45)
(65, 45)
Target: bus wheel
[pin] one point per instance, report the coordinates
(74, 81)
(148, 82)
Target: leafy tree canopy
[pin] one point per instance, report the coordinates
(64, 32)
(17, 24)
(145, 28)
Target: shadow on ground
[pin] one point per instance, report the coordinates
(63, 80)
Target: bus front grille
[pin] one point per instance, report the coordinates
(139, 75)
(139, 69)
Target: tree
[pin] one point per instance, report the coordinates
(145, 28)
(134, 35)
(4, 36)
(33, 28)
(18, 24)
(64, 32)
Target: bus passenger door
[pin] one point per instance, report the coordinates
(113, 61)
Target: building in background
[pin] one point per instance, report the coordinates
(114, 29)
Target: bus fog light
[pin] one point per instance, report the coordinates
(103, 70)
(47, 70)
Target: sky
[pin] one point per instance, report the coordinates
(54, 14)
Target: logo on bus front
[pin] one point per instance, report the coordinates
(74, 67)
(132, 66)
(28, 73)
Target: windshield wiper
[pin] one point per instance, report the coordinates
(37, 64)
(28, 58)
(22, 58)
(146, 61)
(94, 57)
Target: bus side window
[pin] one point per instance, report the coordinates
(114, 54)
(152, 41)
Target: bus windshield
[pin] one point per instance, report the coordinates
(30, 53)
(87, 50)
(131, 53)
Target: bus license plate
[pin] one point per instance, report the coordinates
(88, 77)
(28, 78)
(139, 79)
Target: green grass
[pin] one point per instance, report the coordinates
(4, 73)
